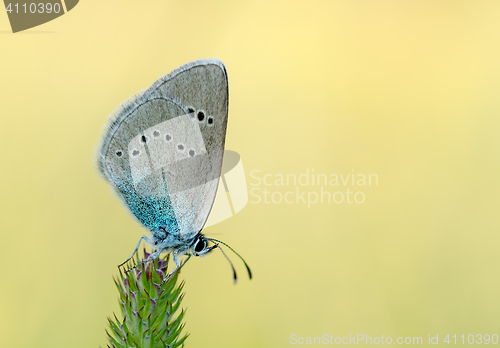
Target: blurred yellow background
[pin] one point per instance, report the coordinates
(402, 89)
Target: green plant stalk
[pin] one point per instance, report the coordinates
(148, 307)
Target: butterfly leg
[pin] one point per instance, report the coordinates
(135, 250)
(150, 258)
(178, 264)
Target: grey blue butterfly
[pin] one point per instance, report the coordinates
(162, 153)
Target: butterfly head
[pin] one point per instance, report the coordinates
(199, 246)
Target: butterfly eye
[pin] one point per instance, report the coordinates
(119, 154)
(191, 153)
(168, 137)
(144, 139)
(200, 246)
(180, 147)
(156, 133)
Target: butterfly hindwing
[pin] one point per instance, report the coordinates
(125, 162)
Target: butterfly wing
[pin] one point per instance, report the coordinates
(163, 150)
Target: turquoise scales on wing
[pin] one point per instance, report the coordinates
(152, 212)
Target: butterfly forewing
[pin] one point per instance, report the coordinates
(202, 87)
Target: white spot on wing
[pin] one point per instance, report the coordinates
(185, 133)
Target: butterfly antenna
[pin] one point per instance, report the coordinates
(218, 241)
(235, 277)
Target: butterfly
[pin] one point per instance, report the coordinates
(162, 153)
